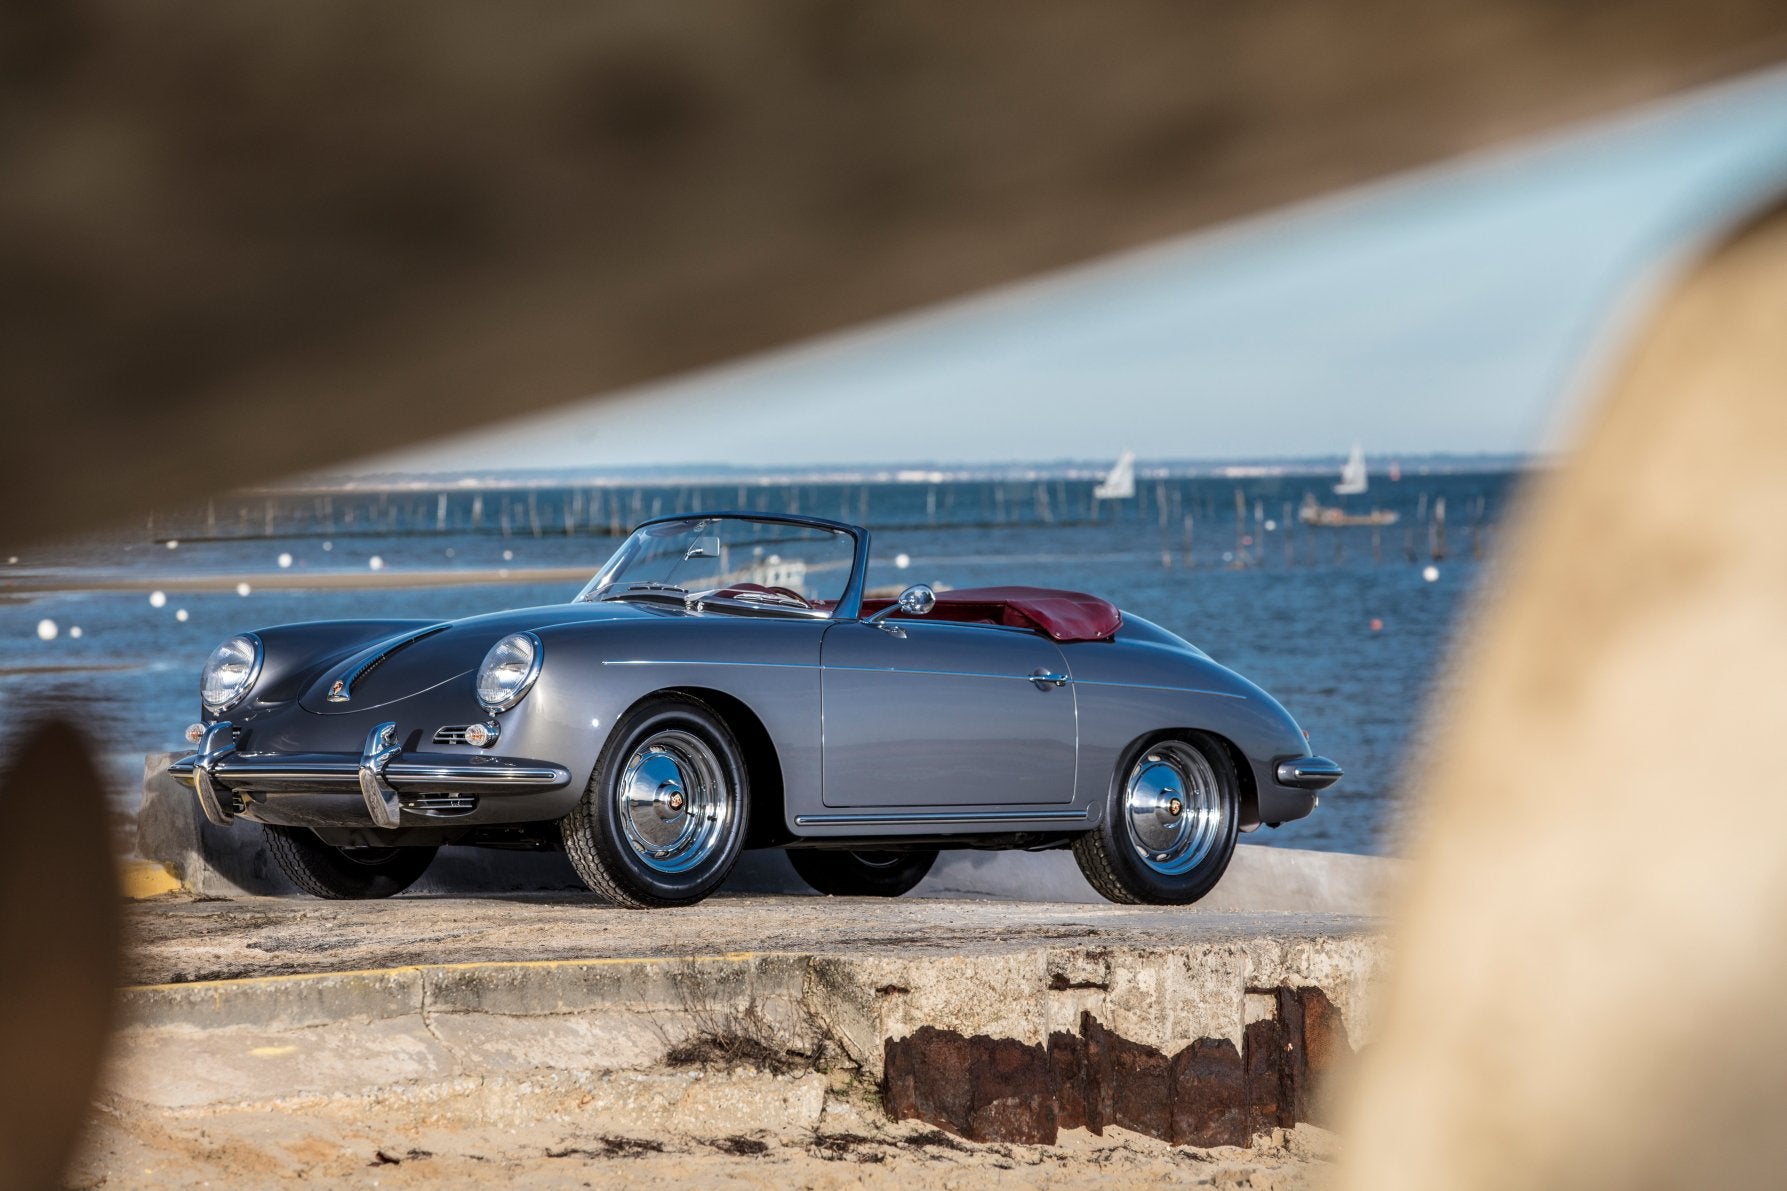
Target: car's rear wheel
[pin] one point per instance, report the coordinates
(1169, 826)
(663, 818)
(324, 870)
(862, 874)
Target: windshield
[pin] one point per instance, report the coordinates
(730, 564)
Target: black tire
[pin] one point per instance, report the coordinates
(610, 848)
(342, 874)
(862, 874)
(1112, 857)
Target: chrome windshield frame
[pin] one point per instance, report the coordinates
(849, 606)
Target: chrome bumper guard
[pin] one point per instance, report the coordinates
(380, 773)
(1308, 773)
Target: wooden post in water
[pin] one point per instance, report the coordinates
(1377, 545)
(1436, 530)
(1166, 533)
(1190, 559)
(1290, 537)
(1240, 527)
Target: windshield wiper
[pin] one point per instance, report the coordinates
(648, 589)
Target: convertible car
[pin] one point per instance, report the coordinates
(726, 682)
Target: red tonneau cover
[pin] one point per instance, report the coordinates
(1063, 615)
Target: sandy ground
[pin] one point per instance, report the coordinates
(369, 1146)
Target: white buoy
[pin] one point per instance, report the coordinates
(173, 544)
(902, 561)
(508, 556)
(46, 629)
(158, 599)
(75, 632)
(180, 615)
(12, 560)
(328, 546)
(449, 552)
(285, 560)
(1431, 573)
(376, 563)
(1271, 525)
(243, 589)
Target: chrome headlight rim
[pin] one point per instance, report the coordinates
(257, 658)
(537, 654)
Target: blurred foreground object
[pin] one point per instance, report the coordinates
(1591, 943)
(59, 952)
(241, 240)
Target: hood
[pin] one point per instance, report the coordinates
(409, 662)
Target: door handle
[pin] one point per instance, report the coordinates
(1045, 678)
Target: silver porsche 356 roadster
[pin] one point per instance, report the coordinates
(725, 682)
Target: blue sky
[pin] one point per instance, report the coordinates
(1467, 307)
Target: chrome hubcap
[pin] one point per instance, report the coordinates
(1172, 808)
(674, 801)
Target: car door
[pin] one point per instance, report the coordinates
(943, 714)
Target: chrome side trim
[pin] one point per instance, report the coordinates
(381, 799)
(1308, 773)
(896, 818)
(218, 741)
(1156, 686)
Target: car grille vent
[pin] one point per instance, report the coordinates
(450, 734)
(345, 687)
(396, 649)
(441, 806)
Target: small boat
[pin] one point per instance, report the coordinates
(1353, 478)
(1120, 483)
(1313, 512)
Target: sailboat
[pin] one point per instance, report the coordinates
(1353, 478)
(1353, 481)
(1120, 483)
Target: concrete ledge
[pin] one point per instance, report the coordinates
(262, 1039)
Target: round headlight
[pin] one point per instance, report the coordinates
(230, 671)
(508, 670)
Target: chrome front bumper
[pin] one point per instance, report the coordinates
(380, 773)
(1308, 773)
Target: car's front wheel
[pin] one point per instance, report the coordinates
(663, 818)
(862, 874)
(339, 874)
(1169, 825)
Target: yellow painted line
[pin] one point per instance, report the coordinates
(474, 966)
(268, 1052)
(146, 878)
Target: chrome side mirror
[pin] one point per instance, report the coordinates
(917, 600)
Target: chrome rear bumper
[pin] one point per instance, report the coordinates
(379, 774)
(1308, 773)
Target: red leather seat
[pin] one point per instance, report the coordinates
(1063, 615)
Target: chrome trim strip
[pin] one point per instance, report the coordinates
(411, 773)
(218, 741)
(842, 669)
(381, 799)
(427, 776)
(883, 818)
(1155, 686)
(1308, 773)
